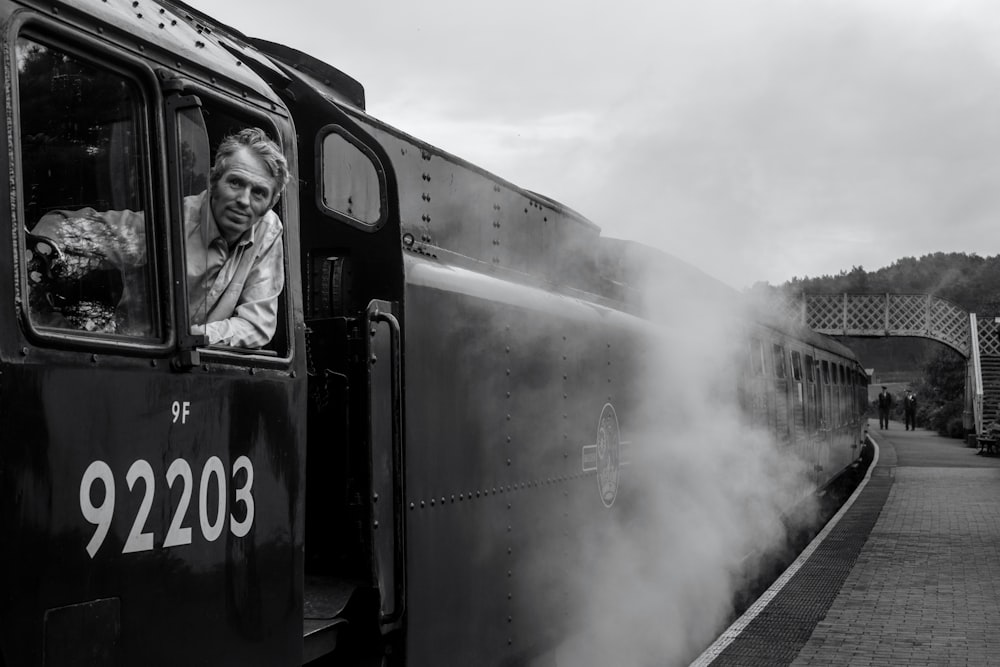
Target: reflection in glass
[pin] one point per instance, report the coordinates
(350, 181)
(195, 164)
(83, 195)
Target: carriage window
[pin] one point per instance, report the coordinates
(826, 371)
(796, 366)
(353, 184)
(843, 374)
(810, 368)
(84, 195)
(756, 356)
(779, 361)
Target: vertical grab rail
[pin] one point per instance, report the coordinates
(977, 374)
(378, 312)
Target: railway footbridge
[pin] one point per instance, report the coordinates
(917, 315)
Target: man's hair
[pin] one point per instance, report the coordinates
(257, 142)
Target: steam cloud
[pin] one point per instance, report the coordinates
(703, 491)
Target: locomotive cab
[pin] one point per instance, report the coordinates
(112, 145)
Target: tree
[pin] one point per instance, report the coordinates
(941, 394)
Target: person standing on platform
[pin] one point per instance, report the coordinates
(910, 410)
(884, 404)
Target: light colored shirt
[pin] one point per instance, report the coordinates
(233, 293)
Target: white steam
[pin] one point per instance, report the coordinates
(702, 492)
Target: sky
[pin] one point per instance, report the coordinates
(759, 141)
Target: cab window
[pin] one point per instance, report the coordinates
(352, 180)
(234, 255)
(84, 192)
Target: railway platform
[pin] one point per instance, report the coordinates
(907, 573)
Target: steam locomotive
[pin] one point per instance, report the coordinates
(451, 400)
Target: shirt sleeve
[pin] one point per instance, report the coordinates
(255, 317)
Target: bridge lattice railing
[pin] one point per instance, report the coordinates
(886, 315)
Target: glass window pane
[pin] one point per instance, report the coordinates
(83, 192)
(779, 361)
(350, 181)
(796, 366)
(195, 164)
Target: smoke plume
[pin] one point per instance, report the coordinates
(703, 491)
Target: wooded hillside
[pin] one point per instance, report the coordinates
(970, 281)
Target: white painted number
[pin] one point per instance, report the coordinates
(99, 515)
(210, 530)
(241, 528)
(212, 519)
(138, 540)
(178, 535)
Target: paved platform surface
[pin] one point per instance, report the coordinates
(908, 575)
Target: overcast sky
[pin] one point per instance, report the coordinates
(757, 140)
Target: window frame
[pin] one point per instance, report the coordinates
(796, 366)
(380, 173)
(148, 102)
(220, 102)
(780, 366)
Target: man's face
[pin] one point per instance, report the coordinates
(242, 195)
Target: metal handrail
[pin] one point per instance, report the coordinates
(977, 373)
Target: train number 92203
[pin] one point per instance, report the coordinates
(211, 518)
